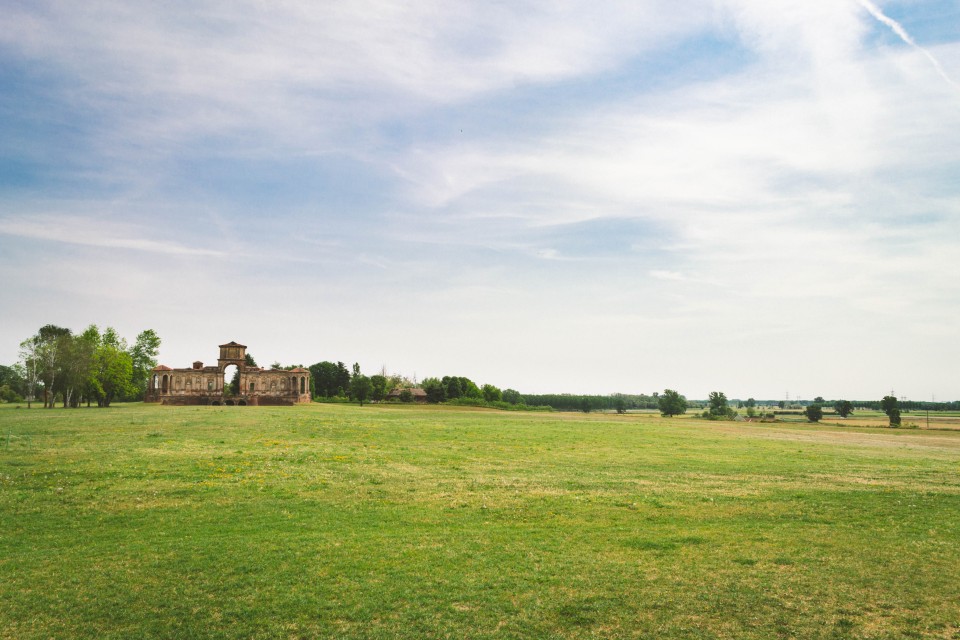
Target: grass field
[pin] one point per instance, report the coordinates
(429, 522)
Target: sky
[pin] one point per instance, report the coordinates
(760, 197)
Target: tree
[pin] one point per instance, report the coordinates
(360, 386)
(12, 379)
(451, 387)
(28, 362)
(891, 407)
(718, 404)
(143, 355)
(8, 394)
(79, 366)
(888, 404)
(470, 389)
(750, 403)
(512, 396)
(843, 408)
(343, 379)
(819, 400)
(672, 403)
(324, 377)
(620, 403)
(378, 387)
(434, 389)
(491, 393)
(814, 412)
(113, 368)
(50, 347)
(406, 396)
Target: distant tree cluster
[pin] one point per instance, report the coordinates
(619, 402)
(59, 365)
(333, 381)
(718, 407)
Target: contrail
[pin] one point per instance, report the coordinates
(898, 29)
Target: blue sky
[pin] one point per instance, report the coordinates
(754, 197)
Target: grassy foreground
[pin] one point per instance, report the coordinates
(426, 522)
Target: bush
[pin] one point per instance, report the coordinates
(9, 395)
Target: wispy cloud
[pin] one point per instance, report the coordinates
(82, 231)
(898, 29)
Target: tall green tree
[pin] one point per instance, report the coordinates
(324, 377)
(113, 373)
(143, 355)
(343, 379)
(491, 393)
(470, 389)
(52, 347)
(29, 364)
(360, 387)
(451, 387)
(718, 404)
(79, 366)
(378, 387)
(671, 403)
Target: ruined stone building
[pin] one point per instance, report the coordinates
(207, 385)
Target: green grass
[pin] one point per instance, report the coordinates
(425, 522)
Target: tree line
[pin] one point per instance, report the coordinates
(333, 380)
(58, 365)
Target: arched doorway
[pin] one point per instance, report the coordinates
(231, 380)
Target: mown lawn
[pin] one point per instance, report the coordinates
(425, 522)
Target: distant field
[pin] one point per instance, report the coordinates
(428, 522)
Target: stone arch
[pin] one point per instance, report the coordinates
(303, 382)
(228, 372)
(164, 383)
